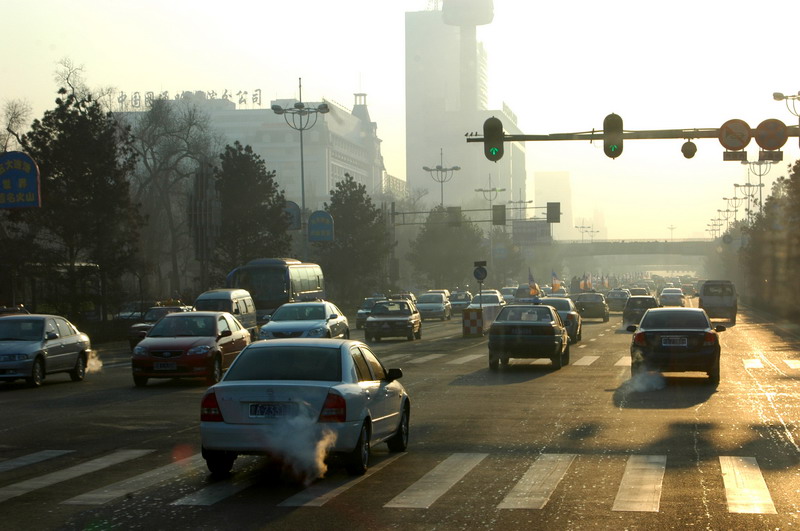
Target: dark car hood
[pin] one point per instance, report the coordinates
(175, 343)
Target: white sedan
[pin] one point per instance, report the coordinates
(296, 400)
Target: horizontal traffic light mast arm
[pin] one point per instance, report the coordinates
(792, 130)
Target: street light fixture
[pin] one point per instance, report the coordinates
(301, 117)
(441, 175)
(791, 102)
(520, 205)
(749, 196)
(490, 194)
(735, 203)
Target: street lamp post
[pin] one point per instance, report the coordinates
(441, 175)
(749, 195)
(791, 102)
(490, 194)
(520, 205)
(671, 229)
(734, 202)
(760, 168)
(301, 117)
(583, 229)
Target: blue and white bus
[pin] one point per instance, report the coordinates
(274, 281)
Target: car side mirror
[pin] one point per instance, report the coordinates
(51, 335)
(394, 374)
(225, 333)
(720, 328)
(333, 316)
(631, 328)
(142, 333)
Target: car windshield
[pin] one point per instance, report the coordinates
(391, 308)
(458, 297)
(299, 312)
(287, 363)
(558, 304)
(675, 320)
(185, 325)
(431, 298)
(21, 329)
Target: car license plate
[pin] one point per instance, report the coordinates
(266, 410)
(673, 341)
(165, 365)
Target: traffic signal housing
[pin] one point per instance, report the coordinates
(612, 136)
(498, 214)
(493, 139)
(554, 212)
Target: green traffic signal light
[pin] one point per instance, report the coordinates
(612, 136)
(493, 137)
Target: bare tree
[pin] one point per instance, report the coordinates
(16, 114)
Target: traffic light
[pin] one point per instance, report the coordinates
(688, 149)
(498, 214)
(493, 139)
(554, 212)
(612, 135)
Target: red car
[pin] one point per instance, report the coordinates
(189, 345)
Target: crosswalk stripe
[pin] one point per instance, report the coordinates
(319, 494)
(423, 493)
(219, 491)
(745, 488)
(624, 361)
(24, 487)
(586, 360)
(127, 486)
(391, 358)
(793, 364)
(25, 460)
(753, 364)
(640, 489)
(583, 346)
(427, 358)
(537, 485)
(465, 359)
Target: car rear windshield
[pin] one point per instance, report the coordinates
(558, 304)
(641, 303)
(675, 320)
(718, 290)
(391, 308)
(516, 313)
(287, 363)
(431, 297)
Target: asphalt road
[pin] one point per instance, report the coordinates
(526, 447)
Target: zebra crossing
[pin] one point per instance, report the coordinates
(639, 490)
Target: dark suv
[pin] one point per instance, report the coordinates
(592, 305)
(636, 306)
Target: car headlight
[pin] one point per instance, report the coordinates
(14, 357)
(140, 351)
(199, 350)
(317, 332)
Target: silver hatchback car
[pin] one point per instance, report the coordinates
(33, 346)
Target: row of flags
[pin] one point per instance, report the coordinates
(587, 282)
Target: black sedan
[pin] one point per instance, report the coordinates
(393, 318)
(636, 306)
(675, 340)
(592, 305)
(528, 331)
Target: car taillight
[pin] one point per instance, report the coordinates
(209, 409)
(710, 339)
(334, 409)
(640, 339)
(570, 317)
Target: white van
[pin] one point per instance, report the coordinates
(234, 301)
(719, 299)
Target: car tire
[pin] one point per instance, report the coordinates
(357, 461)
(565, 356)
(37, 374)
(346, 333)
(605, 318)
(558, 361)
(140, 381)
(219, 463)
(713, 374)
(418, 334)
(494, 363)
(580, 334)
(733, 319)
(216, 371)
(399, 441)
(78, 373)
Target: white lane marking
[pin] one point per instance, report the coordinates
(428, 489)
(793, 364)
(624, 361)
(640, 489)
(753, 364)
(393, 357)
(465, 359)
(24, 487)
(586, 360)
(601, 335)
(30, 459)
(583, 346)
(136, 483)
(537, 485)
(745, 488)
(219, 491)
(320, 493)
(423, 359)
(593, 339)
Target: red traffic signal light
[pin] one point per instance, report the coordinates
(612, 135)
(493, 139)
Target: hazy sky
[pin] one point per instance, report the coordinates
(561, 66)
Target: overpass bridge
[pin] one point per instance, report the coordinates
(687, 247)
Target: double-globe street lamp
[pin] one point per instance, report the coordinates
(301, 117)
(441, 175)
(791, 102)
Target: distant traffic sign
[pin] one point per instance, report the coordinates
(771, 134)
(734, 135)
(480, 273)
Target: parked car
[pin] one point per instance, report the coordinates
(189, 345)
(365, 309)
(434, 305)
(306, 319)
(676, 339)
(394, 318)
(719, 299)
(137, 331)
(635, 308)
(237, 302)
(528, 331)
(592, 305)
(460, 300)
(569, 315)
(339, 386)
(33, 346)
